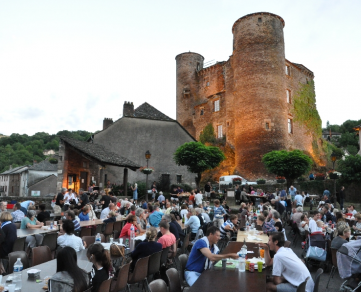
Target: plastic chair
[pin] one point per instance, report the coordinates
(334, 265)
(317, 279)
(98, 229)
(302, 287)
(287, 243)
(19, 244)
(50, 240)
(108, 230)
(296, 233)
(41, 254)
(17, 224)
(173, 255)
(122, 278)
(186, 243)
(116, 234)
(154, 263)
(118, 225)
(158, 286)
(183, 259)
(13, 256)
(105, 286)
(88, 240)
(173, 280)
(164, 256)
(140, 273)
(85, 232)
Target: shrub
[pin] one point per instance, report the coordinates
(261, 181)
(320, 176)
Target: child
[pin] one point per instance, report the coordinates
(304, 224)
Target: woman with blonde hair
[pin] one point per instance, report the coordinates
(147, 247)
(8, 234)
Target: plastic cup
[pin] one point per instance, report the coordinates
(260, 266)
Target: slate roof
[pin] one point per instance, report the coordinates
(16, 170)
(44, 165)
(302, 67)
(40, 179)
(146, 111)
(100, 153)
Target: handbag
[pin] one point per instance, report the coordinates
(316, 253)
(116, 250)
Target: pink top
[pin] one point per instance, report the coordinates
(167, 240)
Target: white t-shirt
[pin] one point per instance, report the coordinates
(104, 213)
(198, 197)
(288, 265)
(68, 197)
(183, 212)
(312, 225)
(71, 240)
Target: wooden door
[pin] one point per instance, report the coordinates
(83, 180)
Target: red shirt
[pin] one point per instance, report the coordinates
(126, 230)
(167, 240)
(191, 199)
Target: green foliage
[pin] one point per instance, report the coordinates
(305, 110)
(198, 157)
(348, 139)
(17, 150)
(290, 164)
(352, 149)
(347, 126)
(208, 135)
(350, 169)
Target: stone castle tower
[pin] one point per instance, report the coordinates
(247, 98)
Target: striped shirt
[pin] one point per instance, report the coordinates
(218, 212)
(223, 230)
(76, 224)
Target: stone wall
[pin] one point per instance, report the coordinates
(46, 187)
(37, 200)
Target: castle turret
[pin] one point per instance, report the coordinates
(259, 80)
(187, 88)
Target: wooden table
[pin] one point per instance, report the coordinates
(47, 269)
(241, 235)
(218, 280)
(97, 222)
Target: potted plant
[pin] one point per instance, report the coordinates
(53, 160)
(146, 170)
(320, 176)
(237, 181)
(261, 181)
(280, 179)
(332, 174)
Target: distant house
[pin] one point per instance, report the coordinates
(48, 152)
(12, 180)
(326, 135)
(139, 130)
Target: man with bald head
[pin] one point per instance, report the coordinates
(106, 211)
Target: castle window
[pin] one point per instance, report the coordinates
(267, 126)
(228, 123)
(198, 66)
(290, 126)
(208, 83)
(219, 131)
(288, 94)
(202, 112)
(259, 19)
(216, 105)
(288, 70)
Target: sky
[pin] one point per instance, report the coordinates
(66, 65)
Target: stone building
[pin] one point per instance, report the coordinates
(139, 130)
(249, 97)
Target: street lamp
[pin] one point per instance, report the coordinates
(147, 157)
(333, 158)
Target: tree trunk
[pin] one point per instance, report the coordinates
(289, 182)
(198, 179)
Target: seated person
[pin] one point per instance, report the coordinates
(266, 226)
(327, 213)
(131, 221)
(304, 224)
(84, 214)
(125, 210)
(17, 215)
(155, 217)
(288, 269)
(147, 247)
(193, 222)
(312, 223)
(344, 234)
(167, 238)
(203, 253)
(200, 216)
(43, 215)
(69, 239)
(8, 234)
(351, 209)
(357, 226)
(71, 216)
(111, 217)
(30, 222)
(68, 277)
(229, 225)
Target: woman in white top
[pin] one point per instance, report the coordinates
(184, 211)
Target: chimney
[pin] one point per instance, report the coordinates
(128, 109)
(107, 122)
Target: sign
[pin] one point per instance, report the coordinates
(82, 180)
(230, 194)
(60, 171)
(35, 193)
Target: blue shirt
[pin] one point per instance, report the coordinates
(155, 218)
(76, 224)
(218, 212)
(327, 193)
(83, 217)
(161, 198)
(292, 192)
(194, 223)
(283, 193)
(197, 260)
(26, 204)
(17, 215)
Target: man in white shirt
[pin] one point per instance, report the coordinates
(288, 269)
(69, 239)
(69, 196)
(312, 224)
(299, 200)
(198, 198)
(104, 214)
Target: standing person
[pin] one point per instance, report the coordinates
(299, 200)
(105, 200)
(288, 269)
(26, 204)
(219, 213)
(8, 234)
(69, 277)
(327, 193)
(135, 192)
(198, 198)
(60, 198)
(204, 252)
(342, 197)
(100, 259)
(191, 199)
(237, 195)
(161, 198)
(207, 189)
(292, 191)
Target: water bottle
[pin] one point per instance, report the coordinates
(148, 225)
(132, 234)
(241, 263)
(98, 239)
(51, 225)
(324, 218)
(18, 267)
(247, 225)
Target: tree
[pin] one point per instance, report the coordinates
(208, 134)
(290, 164)
(198, 158)
(348, 139)
(352, 149)
(350, 169)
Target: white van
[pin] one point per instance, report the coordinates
(227, 181)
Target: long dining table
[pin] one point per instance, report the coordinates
(215, 280)
(252, 237)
